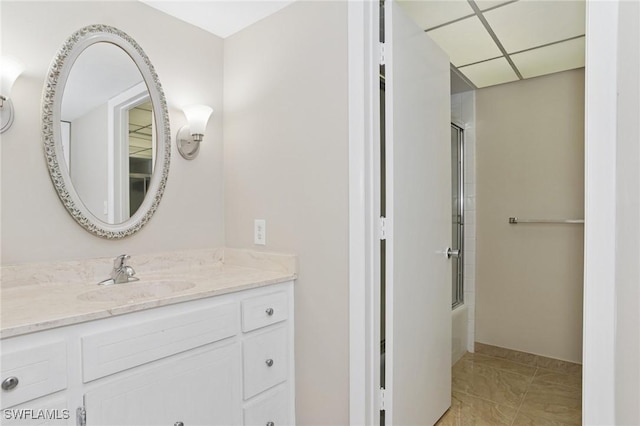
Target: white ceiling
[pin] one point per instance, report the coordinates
(489, 41)
(220, 17)
(497, 41)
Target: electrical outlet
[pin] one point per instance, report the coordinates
(260, 232)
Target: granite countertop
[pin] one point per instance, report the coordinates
(38, 297)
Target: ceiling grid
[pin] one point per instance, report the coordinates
(498, 41)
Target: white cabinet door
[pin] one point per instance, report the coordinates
(418, 303)
(201, 389)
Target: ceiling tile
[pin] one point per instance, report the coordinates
(465, 41)
(429, 14)
(549, 59)
(495, 71)
(531, 23)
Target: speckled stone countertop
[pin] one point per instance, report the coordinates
(37, 297)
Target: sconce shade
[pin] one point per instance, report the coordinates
(10, 69)
(191, 134)
(197, 116)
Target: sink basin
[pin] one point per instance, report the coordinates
(135, 291)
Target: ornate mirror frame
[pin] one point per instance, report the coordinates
(52, 138)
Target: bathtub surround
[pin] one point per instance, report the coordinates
(459, 332)
(463, 112)
(530, 164)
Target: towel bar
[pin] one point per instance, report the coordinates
(515, 220)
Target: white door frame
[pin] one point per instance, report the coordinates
(118, 149)
(364, 136)
(598, 396)
(600, 170)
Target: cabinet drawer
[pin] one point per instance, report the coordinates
(39, 370)
(126, 347)
(264, 310)
(272, 409)
(265, 361)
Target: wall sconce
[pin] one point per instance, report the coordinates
(191, 134)
(10, 69)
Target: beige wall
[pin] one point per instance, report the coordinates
(530, 164)
(35, 225)
(286, 161)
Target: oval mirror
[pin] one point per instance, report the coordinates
(106, 131)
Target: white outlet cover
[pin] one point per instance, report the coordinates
(260, 232)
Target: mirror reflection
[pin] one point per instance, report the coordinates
(108, 132)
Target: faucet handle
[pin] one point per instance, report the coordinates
(121, 261)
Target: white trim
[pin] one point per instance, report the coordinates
(598, 400)
(389, 201)
(118, 153)
(357, 212)
(364, 128)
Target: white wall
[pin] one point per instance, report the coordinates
(286, 161)
(627, 350)
(188, 60)
(530, 164)
(88, 160)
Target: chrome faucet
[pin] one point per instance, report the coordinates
(121, 273)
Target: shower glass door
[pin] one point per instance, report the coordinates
(457, 214)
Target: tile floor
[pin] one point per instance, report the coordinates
(492, 390)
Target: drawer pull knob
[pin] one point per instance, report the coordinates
(178, 424)
(271, 424)
(9, 383)
(269, 312)
(269, 362)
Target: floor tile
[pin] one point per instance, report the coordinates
(491, 390)
(476, 411)
(559, 366)
(509, 354)
(450, 418)
(498, 386)
(554, 402)
(500, 364)
(524, 419)
(550, 376)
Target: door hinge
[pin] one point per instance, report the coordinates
(382, 228)
(382, 59)
(382, 399)
(81, 416)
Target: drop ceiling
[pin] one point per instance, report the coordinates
(489, 41)
(492, 42)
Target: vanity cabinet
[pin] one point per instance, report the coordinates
(33, 371)
(222, 360)
(196, 389)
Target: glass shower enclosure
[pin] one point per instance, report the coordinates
(457, 214)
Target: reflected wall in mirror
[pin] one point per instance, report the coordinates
(106, 131)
